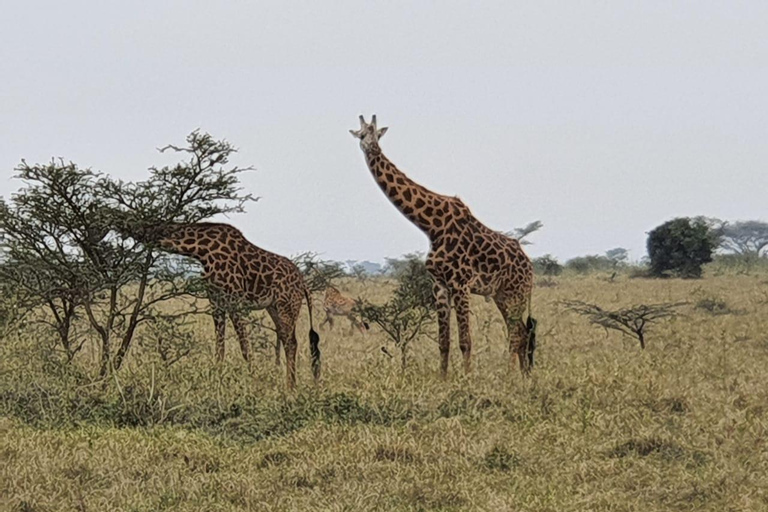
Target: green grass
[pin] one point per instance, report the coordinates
(601, 425)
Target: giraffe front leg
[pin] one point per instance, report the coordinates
(521, 340)
(277, 351)
(242, 334)
(465, 338)
(276, 321)
(357, 324)
(443, 306)
(328, 320)
(220, 326)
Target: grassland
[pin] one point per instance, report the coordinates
(601, 425)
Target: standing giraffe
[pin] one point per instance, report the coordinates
(465, 257)
(337, 304)
(237, 270)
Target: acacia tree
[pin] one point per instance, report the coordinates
(632, 321)
(521, 234)
(410, 311)
(63, 255)
(59, 253)
(747, 238)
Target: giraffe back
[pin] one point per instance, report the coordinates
(337, 303)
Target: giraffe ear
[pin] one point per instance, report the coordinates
(381, 132)
(355, 133)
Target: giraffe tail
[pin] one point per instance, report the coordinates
(314, 339)
(530, 326)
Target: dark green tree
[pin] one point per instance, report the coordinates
(680, 247)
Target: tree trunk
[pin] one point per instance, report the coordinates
(134, 320)
(105, 356)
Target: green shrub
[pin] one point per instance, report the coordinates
(680, 247)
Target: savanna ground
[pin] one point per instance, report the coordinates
(600, 425)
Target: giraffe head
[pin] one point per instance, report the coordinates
(369, 134)
(146, 232)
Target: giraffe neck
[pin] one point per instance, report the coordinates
(420, 205)
(199, 241)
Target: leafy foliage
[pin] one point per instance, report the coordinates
(407, 315)
(318, 274)
(681, 246)
(63, 255)
(199, 187)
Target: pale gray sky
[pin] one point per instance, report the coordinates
(601, 119)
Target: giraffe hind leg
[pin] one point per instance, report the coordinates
(443, 306)
(278, 340)
(285, 325)
(242, 334)
(461, 301)
(518, 335)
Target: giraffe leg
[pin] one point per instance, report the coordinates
(277, 351)
(352, 325)
(461, 301)
(356, 323)
(517, 333)
(443, 306)
(285, 322)
(276, 320)
(289, 345)
(220, 326)
(328, 320)
(242, 334)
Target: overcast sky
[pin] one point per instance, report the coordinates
(601, 119)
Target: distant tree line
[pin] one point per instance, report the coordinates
(677, 248)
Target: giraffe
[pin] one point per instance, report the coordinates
(465, 257)
(336, 304)
(237, 270)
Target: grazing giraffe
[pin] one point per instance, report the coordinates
(465, 257)
(237, 270)
(336, 304)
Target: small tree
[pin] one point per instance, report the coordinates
(359, 273)
(397, 267)
(681, 246)
(521, 234)
(589, 263)
(547, 265)
(409, 312)
(746, 238)
(618, 256)
(632, 321)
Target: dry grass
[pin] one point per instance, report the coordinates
(601, 425)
